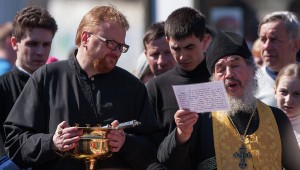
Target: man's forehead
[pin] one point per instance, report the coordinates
(228, 58)
(272, 27)
(34, 34)
(183, 41)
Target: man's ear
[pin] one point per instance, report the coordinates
(14, 43)
(85, 37)
(206, 41)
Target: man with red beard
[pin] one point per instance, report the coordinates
(250, 135)
(86, 89)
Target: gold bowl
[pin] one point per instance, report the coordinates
(93, 144)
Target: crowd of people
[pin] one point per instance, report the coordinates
(44, 105)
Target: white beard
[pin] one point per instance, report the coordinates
(246, 103)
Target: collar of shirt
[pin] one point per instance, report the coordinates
(272, 73)
(22, 70)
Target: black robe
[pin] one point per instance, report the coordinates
(162, 96)
(11, 85)
(200, 147)
(63, 91)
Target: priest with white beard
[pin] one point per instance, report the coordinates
(250, 135)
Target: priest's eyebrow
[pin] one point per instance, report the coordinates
(231, 59)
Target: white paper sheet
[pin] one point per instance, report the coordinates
(202, 97)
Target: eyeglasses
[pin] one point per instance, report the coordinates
(111, 44)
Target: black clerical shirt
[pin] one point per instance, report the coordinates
(62, 91)
(11, 85)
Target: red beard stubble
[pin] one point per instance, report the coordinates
(103, 66)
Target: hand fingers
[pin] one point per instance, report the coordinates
(66, 142)
(182, 113)
(69, 143)
(70, 131)
(185, 121)
(60, 127)
(64, 124)
(189, 123)
(115, 123)
(115, 145)
(116, 139)
(65, 137)
(184, 118)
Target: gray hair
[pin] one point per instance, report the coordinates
(290, 20)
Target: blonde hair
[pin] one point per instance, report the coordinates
(97, 15)
(256, 48)
(292, 70)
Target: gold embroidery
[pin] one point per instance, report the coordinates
(242, 154)
(264, 144)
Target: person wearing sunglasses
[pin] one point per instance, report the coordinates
(89, 89)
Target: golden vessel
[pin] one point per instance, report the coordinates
(93, 145)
